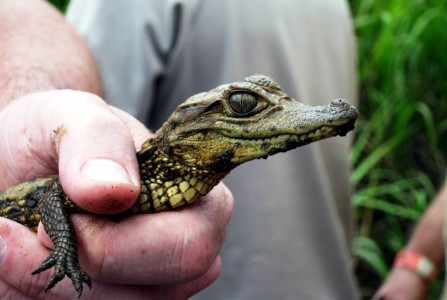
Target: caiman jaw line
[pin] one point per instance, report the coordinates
(322, 131)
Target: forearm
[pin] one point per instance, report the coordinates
(39, 51)
(427, 238)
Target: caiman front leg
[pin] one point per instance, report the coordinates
(64, 255)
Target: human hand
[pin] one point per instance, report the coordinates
(402, 284)
(168, 255)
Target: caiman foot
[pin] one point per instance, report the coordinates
(64, 264)
(64, 256)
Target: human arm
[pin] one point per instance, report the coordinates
(39, 51)
(427, 240)
(141, 257)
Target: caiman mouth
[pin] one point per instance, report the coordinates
(252, 148)
(321, 132)
(287, 142)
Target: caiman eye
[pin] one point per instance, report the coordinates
(243, 103)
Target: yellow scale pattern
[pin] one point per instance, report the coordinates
(17, 203)
(158, 193)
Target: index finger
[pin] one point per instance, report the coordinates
(170, 247)
(17, 261)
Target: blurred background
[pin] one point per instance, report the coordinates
(399, 152)
(401, 144)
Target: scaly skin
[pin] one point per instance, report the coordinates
(201, 142)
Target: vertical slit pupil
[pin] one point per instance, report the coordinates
(242, 102)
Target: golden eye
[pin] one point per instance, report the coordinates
(243, 103)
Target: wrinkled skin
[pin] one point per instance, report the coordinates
(170, 263)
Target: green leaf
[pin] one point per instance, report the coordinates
(62, 5)
(368, 251)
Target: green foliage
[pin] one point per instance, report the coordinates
(60, 4)
(401, 141)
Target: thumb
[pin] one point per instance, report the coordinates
(78, 135)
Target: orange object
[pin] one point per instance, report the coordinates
(417, 263)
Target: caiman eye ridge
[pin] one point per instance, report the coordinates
(243, 103)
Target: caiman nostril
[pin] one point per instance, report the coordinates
(339, 102)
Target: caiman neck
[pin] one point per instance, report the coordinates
(166, 183)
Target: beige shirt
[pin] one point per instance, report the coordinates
(291, 229)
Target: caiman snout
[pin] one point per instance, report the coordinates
(345, 108)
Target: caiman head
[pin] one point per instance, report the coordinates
(238, 122)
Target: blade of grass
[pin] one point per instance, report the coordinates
(369, 252)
